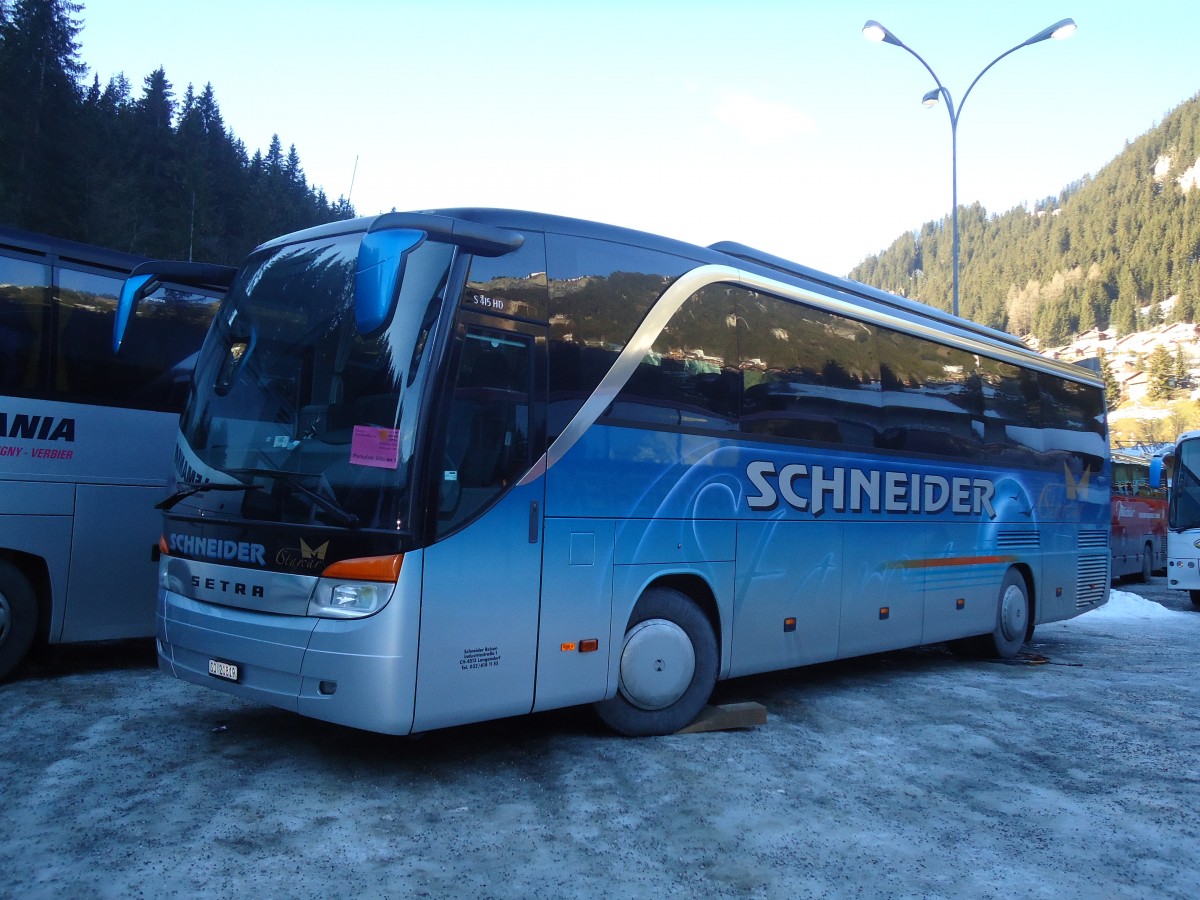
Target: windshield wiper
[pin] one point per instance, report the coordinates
(203, 488)
(342, 515)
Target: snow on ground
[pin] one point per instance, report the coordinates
(1072, 772)
(1131, 607)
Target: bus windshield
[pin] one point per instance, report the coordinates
(318, 421)
(1184, 509)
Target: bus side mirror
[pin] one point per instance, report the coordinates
(1156, 473)
(377, 276)
(132, 291)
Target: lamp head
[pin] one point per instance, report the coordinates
(931, 99)
(1063, 29)
(1058, 31)
(874, 31)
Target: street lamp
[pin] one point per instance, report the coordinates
(873, 31)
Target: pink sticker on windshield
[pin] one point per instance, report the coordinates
(373, 446)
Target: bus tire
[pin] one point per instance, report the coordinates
(1195, 595)
(1012, 618)
(1012, 626)
(18, 617)
(1147, 563)
(668, 667)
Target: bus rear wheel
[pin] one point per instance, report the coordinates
(668, 667)
(18, 617)
(1012, 618)
(1012, 626)
(1195, 595)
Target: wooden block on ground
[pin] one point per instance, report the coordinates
(726, 717)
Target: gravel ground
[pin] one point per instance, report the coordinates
(1069, 773)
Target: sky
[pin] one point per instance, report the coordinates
(771, 123)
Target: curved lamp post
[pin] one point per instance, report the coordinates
(873, 31)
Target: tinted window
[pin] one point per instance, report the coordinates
(154, 365)
(1012, 408)
(690, 377)
(24, 313)
(807, 374)
(599, 293)
(488, 443)
(510, 285)
(1073, 420)
(932, 397)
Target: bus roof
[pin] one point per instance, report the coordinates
(57, 250)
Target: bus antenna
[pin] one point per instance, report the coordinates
(353, 175)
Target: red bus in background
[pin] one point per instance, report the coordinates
(1139, 519)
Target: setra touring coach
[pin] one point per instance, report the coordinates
(443, 467)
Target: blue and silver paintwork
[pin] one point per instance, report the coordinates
(863, 552)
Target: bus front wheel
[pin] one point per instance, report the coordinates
(18, 617)
(668, 666)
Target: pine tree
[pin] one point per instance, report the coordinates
(1160, 368)
(39, 128)
(1181, 370)
(1112, 387)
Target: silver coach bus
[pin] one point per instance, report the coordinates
(85, 441)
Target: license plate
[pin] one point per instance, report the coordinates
(225, 670)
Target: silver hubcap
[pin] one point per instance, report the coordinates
(657, 664)
(1012, 613)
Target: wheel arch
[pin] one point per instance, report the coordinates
(37, 572)
(696, 588)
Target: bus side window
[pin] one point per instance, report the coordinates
(487, 437)
(1073, 423)
(1013, 416)
(932, 397)
(807, 375)
(154, 366)
(599, 292)
(690, 377)
(24, 295)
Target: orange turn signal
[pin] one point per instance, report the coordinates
(367, 568)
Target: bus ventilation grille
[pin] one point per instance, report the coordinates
(1093, 539)
(1093, 579)
(1018, 540)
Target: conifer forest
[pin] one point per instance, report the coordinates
(147, 169)
(153, 169)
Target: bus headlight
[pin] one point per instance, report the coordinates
(348, 600)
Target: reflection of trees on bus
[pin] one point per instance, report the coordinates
(734, 359)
